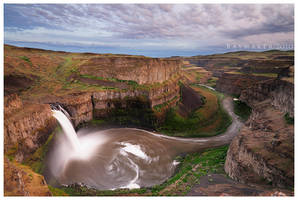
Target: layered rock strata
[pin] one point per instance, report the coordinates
(26, 126)
(143, 70)
(263, 152)
(79, 106)
(234, 84)
(281, 94)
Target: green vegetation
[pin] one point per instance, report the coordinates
(270, 75)
(212, 82)
(80, 86)
(25, 58)
(198, 76)
(242, 109)
(36, 160)
(209, 120)
(11, 152)
(57, 191)
(191, 168)
(76, 190)
(129, 82)
(159, 107)
(289, 120)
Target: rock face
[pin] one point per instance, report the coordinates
(191, 100)
(79, 106)
(140, 69)
(220, 185)
(17, 83)
(247, 62)
(26, 126)
(157, 95)
(263, 152)
(280, 92)
(20, 180)
(234, 84)
(103, 101)
(163, 93)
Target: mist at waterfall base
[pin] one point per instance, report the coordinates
(110, 159)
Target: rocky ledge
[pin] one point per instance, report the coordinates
(143, 70)
(280, 93)
(26, 126)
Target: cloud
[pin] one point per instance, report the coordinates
(159, 26)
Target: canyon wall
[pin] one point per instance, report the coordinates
(190, 101)
(263, 152)
(215, 63)
(105, 100)
(156, 95)
(162, 93)
(143, 70)
(281, 94)
(234, 84)
(26, 126)
(79, 106)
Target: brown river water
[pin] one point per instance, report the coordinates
(125, 157)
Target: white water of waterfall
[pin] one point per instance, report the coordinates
(67, 128)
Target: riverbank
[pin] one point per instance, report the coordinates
(191, 168)
(209, 120)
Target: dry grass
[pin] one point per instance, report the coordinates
(211, 105)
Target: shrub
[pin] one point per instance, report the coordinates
(242, 109)
(25, 58)
(289, 120)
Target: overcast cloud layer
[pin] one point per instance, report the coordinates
(149, 29)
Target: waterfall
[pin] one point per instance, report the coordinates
(67, 127)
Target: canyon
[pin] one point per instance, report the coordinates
(263, 150)
(30, 89)
(139, 91)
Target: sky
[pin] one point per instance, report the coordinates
(156, 30)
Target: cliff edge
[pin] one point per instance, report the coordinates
(263, 152)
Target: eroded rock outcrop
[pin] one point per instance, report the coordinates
(190, 102)
(281, 94)
(157, 94)
(104, 101)
(20, 180)
(79, 106)
(220, 185)
(143, 70)
(263, 152)
(234, 84)
(26, 126)
(165, 92)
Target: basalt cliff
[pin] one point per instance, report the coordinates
(263, 152)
